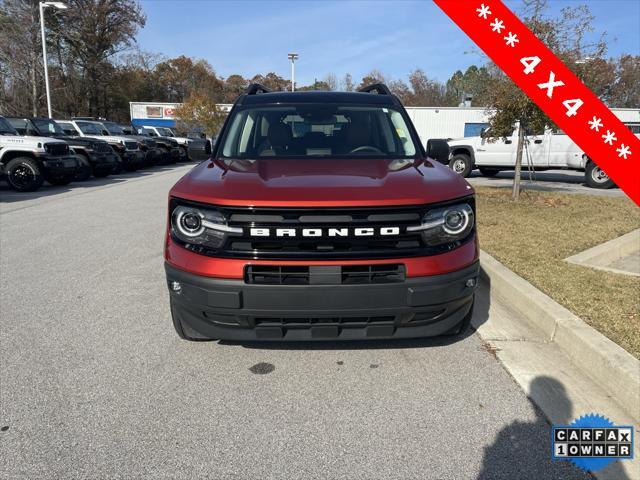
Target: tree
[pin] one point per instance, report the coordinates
(90, 33)
(426, 92)
(273, 82)
(234, 86)
(400, 89)
(374, 76)
(331, 81)
(625, 91)
(565, 36)
(199, 111)
(316, 85)
(21, 57)
(183, 76)
(475, 81)
(347, 83)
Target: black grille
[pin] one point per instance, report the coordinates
(324, 275)
(102, 147)
(131, 145)
(306, 322)
(351, 246)
(56, 148)
(150, 143)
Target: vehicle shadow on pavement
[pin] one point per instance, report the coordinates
(8, 195)
(523, 449)
(480, 316)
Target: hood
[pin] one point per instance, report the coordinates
(79, 140)
(459, 140)
(182, 139)
(27, 140)
(320, 182)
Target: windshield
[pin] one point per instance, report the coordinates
(90, 128)
(6, 128)
(113, 128)
(147, 131)
(165, 132)
(318, 130)
(47, 126)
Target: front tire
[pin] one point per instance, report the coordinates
(24, 174)
(595, 177)
(84, 172)
(461, 164)
(184, 331)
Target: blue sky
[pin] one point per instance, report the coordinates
(249, 37)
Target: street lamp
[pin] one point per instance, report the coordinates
(43, 5)
(293, 57)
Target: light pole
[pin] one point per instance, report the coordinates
(293, 57)
(43, 5)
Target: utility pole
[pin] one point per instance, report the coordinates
(43, 5)
(293, 57)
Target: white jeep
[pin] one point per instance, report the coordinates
(546, 150)
(26, 162)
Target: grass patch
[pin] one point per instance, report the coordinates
(534, 235)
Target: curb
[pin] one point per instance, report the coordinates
(605, 362)
(601, 256)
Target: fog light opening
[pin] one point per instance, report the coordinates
(176, 287)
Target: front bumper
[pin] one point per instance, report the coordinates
(133, 157)
(233, 310)
(55, 166)
(103, 161)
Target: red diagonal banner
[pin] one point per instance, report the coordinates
(552, 86)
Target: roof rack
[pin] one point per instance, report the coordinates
(257, 88)
(379, 88)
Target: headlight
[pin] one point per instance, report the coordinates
(200, 226)
(446, 224)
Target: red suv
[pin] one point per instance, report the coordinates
(319, 216)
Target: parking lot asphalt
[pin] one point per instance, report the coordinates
(95, 383)
(564, 181)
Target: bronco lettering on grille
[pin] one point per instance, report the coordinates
(324, 232)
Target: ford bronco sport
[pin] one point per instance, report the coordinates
(320, 217)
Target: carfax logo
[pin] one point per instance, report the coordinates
(592, 442)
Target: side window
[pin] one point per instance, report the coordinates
(19, 125)
(473, 129)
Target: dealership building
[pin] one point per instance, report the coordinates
(430, 122)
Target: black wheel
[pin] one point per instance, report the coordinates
(24, 174)
(596, 178)
(84, 171)
(118, 167)
(461, 164)
(489, 172)
(62, 180)
(184, 331)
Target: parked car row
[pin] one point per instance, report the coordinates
(35, 150)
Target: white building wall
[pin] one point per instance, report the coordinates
(449, 122)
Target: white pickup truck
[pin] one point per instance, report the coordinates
(548, 150)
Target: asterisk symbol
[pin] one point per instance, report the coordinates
(511, 39)
(595, 124)
(623, 151)
(497, 25)
(610, 137)
(483, 11)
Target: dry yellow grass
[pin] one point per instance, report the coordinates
(534, 235)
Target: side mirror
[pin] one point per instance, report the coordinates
(483, 132)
